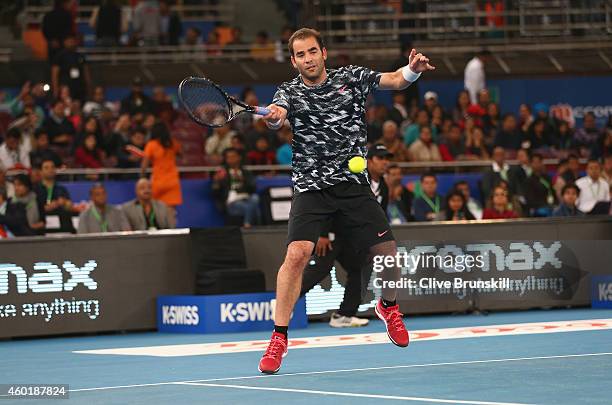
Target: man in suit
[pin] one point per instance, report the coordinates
(146, 213)
(13, 219)
(101, 217)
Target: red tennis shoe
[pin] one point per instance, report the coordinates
(271, 361)
(392, 318)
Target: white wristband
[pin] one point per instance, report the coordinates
(409, 75)
(275, 125)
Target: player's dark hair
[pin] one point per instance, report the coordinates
(161, 133)
(304, 33)
(570, 186)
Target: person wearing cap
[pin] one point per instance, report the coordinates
(333, 246)
(136, 102)
(431, 101)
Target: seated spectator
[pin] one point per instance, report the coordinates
(567, 208)
(162, 105)
(234, 190)
(238, 144)
(567, 173)
(12, 154)
(498, 205)
(491, 123)
(398, 112)
(97, 104)
(461, 108)
(437, 118)
(525, 121)
(13, 220)
(130, 155)
(515, 203)
(42, 151)
(585, 138)
(61, 131)
(213, 44)
(400, 198)
(518, 174)
(29, 97)
(27, 123)
(193, 37)
(413, 131)
(453, 146)
(262, 155)
(538, 137)
(263, 49)
(54, 199)
(499, 170)
(593, 188)
(27, 197)
(430, 101)
(136, 102)
(424, 149)
(455, 208)
(90, 126)
(427, 206)
(508, 137)
(217, 142)
(475, 146)
(101, 217)
(564, 141)
(259, 128)
(472, 205)
(89, 155)
(284, 154)
(145, 213)
(8, 186)
(122, 131)
(390, 138)
(539, 193)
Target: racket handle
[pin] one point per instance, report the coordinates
(262, 111)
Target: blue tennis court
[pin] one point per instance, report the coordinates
(536, 357)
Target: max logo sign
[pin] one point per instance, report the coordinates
(47, 277)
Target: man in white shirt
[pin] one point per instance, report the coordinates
(593, 188)
(12, 153)
(474, 75)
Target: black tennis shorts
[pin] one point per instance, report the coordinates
(357, 215)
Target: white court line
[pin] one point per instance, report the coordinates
(352, 394)
(456, 363)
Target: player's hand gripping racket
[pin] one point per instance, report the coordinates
(207, 104)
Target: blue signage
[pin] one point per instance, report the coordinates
(222, 313)
(601, 292)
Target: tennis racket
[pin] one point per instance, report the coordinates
(207, 104)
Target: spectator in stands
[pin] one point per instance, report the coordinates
(259, 128)
(146, 23)
(262, 155)
(525, 120)
(243, 123)
(144, 212)
(508, 137)
(586, 137)
(26, 98)
(514, 201)
(538, 137)
(97, 104)
(472, 205)
(603, 147)
(90, 126)
(399, 113)
(427, 206)
(484, 99)
(130, 155)
(430, 101)
(499, 170)
(234, 189)
(461, 107)
(101, 217)
(413, 131)
(567, 174)
(390, 138)
(498, 203)
(162, 105)
(539, 192)
(171, 24)
(53, 198)
(519, 174)
(136, 102)
(107, 21)
(564, 139)
(161, 152)
(89, 155)
(238, 144)
(193, 37)
(455, 208)
(453, 145)
(284, 154)
(425, 149)
(491, 121)
(567, 208)
(61, 131)
(217, 142)
(400, 198)
(27, 124)
(474, 74)
(378, 160)
(57, 24)
(12, 153)
(69, 68)
(8, 186)
(13, 220)
(262, 49)
(607, 169)
(123, 127)
(593, 188)
(437, 118)
(25, 196)
(42, 151)
(475, 146)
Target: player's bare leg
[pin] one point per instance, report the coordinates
(288, 285)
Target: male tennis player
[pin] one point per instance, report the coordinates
(326, 110)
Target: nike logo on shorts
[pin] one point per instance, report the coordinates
(381, 234)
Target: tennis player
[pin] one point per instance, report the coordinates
(326, 110)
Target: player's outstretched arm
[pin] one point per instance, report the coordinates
(404, 76)
(276, 117)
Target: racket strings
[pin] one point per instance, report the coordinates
(206, 103)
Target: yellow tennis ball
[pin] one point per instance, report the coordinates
(357, 164)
